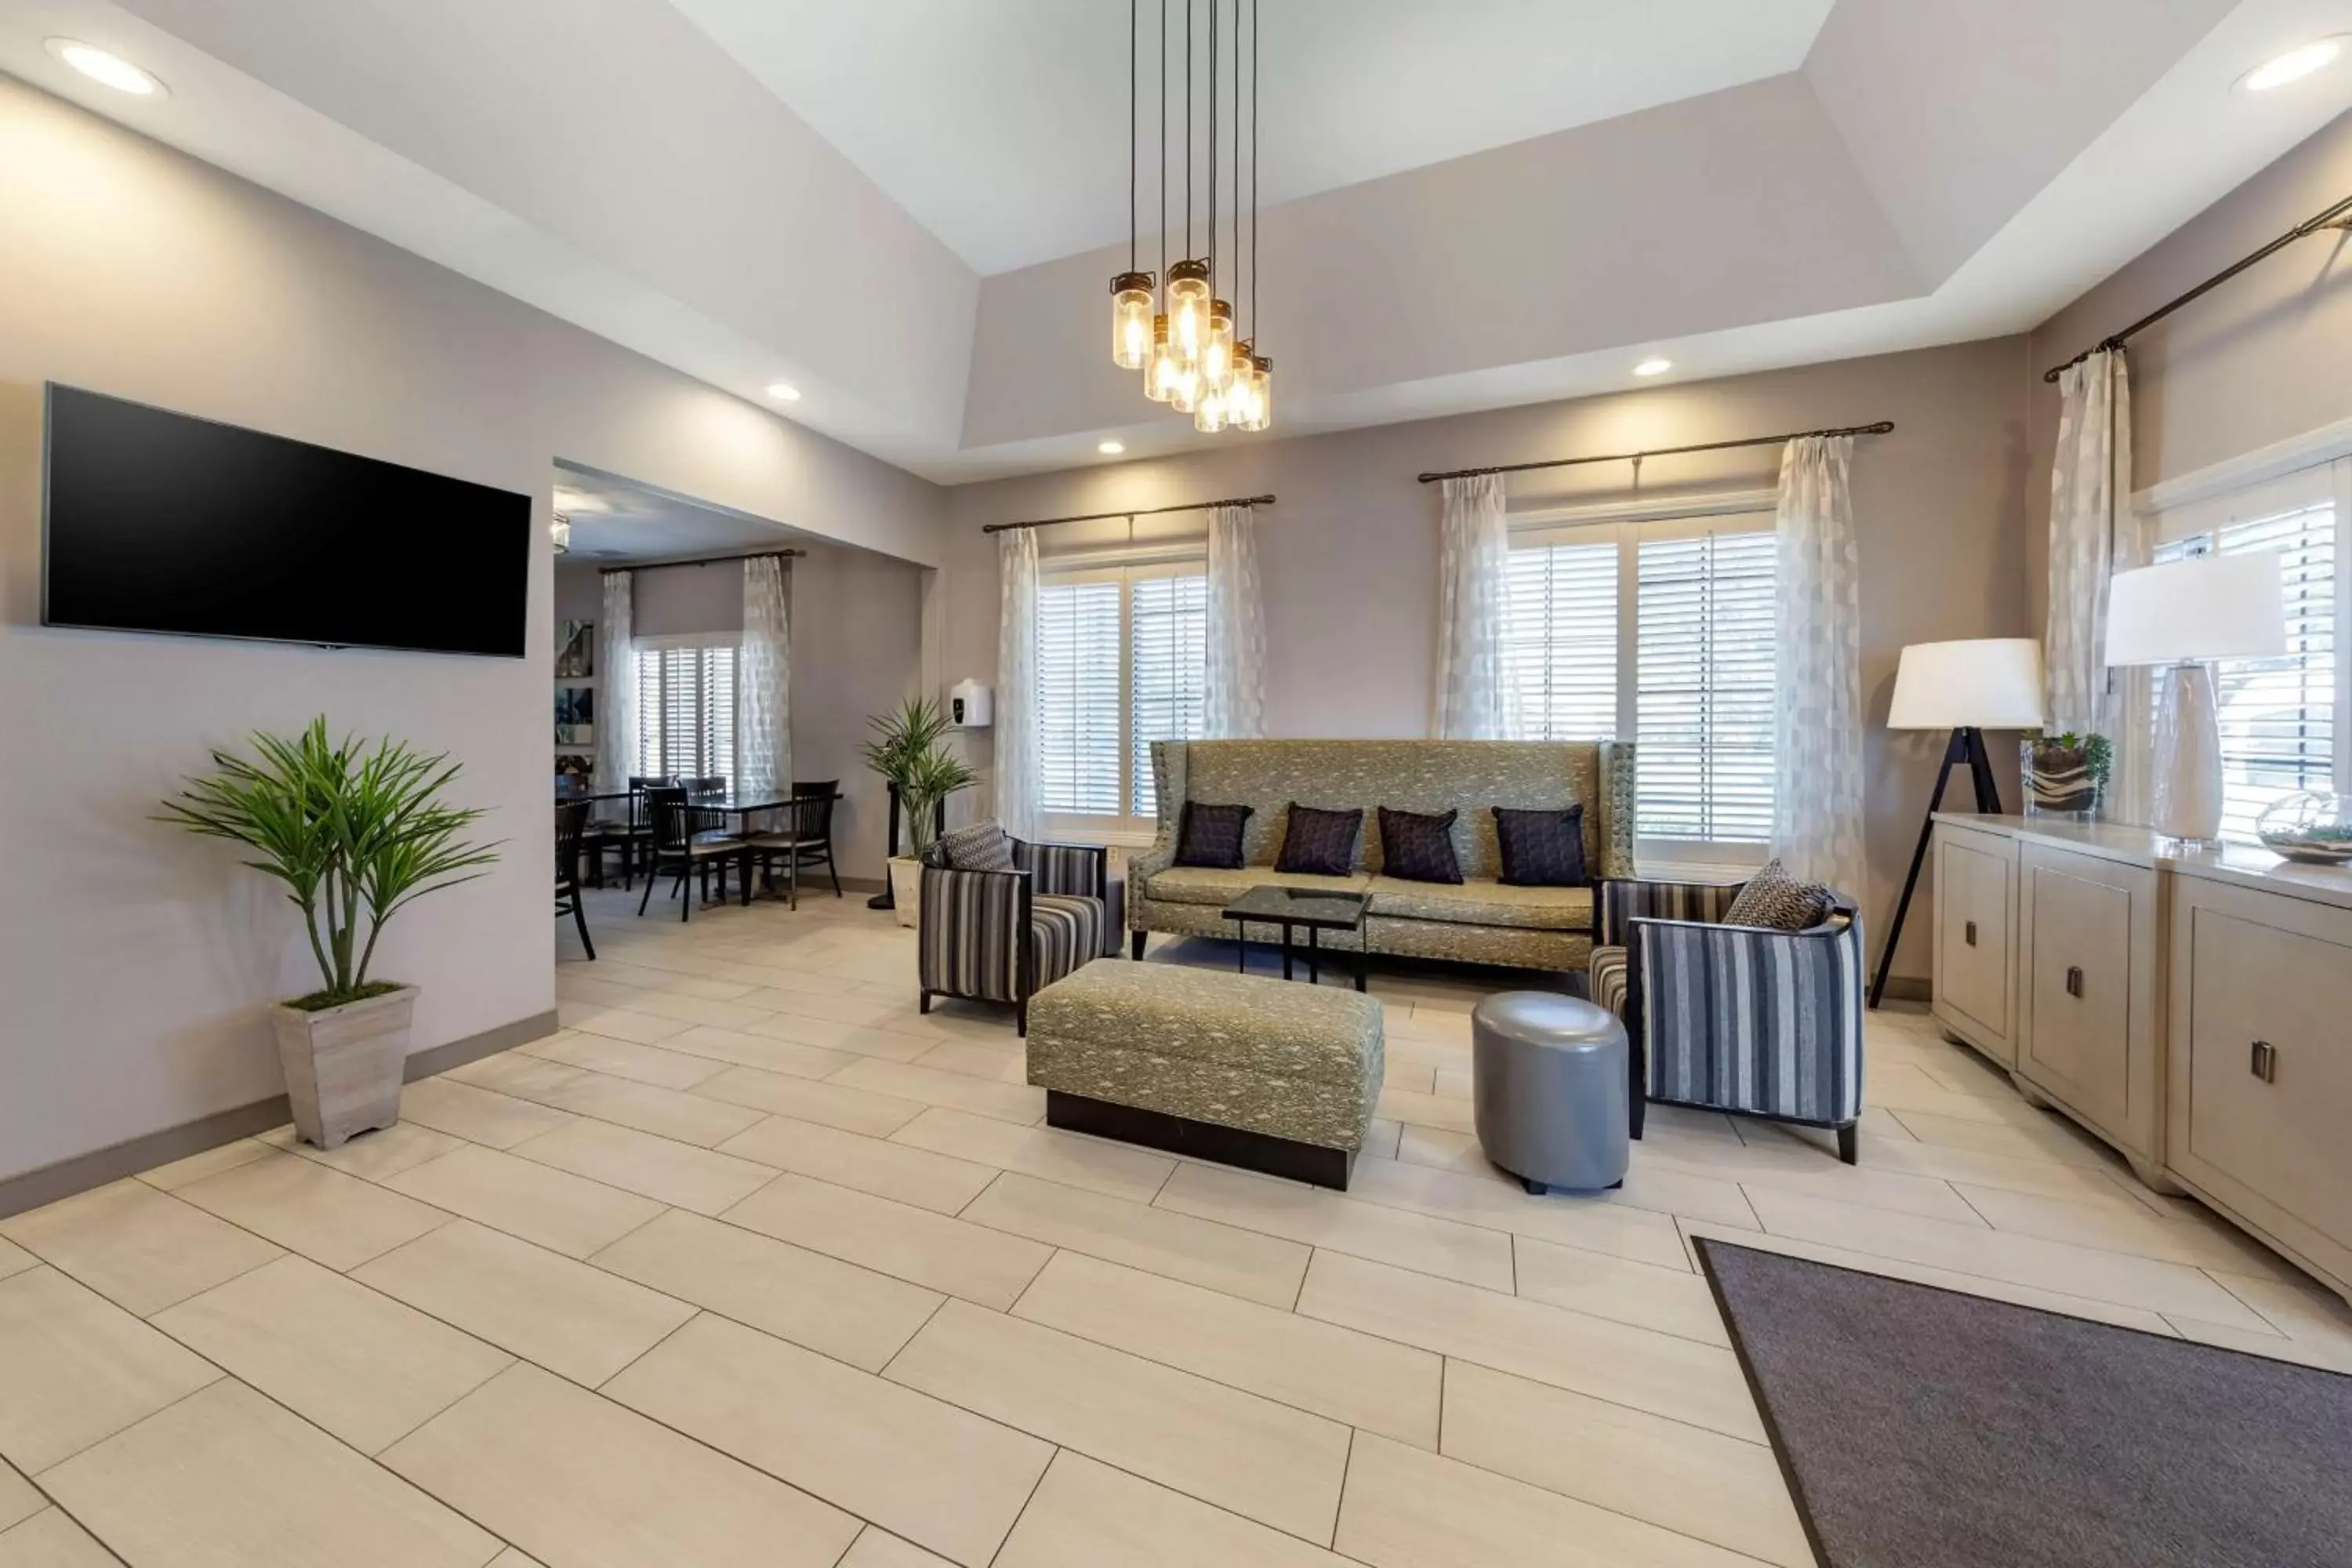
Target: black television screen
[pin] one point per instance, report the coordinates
(156, 521)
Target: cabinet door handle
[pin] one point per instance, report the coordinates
(2264, 1065)
(2073, 980)
(1969, 935)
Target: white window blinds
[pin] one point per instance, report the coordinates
(1078, 696)
(686, 711)
(1662, 630)
(1122, 661)
(1705, 690)
(1168, 656)
(2279, 718)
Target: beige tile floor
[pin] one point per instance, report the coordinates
(752, 1263)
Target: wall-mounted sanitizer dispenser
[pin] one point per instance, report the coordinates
(971, 705)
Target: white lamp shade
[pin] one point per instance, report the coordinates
(2208, 606)
(1986, 683)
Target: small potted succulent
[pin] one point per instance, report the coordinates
(911, 755)
(355, 834)
(2066, 775)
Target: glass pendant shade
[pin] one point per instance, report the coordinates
(1188, 309)
(1241, 395)
(1217, 346)
(1130, 319)
(1208, 416)
(1185, 394)
(1160, 372)
(1260, 392)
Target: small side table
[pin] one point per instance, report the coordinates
(1310, 909)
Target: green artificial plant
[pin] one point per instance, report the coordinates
(910, 752)
(355, 834)
(2096, 751)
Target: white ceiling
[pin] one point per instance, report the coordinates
(1003, 127)
(1488, 202)
(613, 519)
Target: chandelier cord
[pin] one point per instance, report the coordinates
(1254, 132)
(1134, 154)
(1160, 54)
(1188, 129)
(1216, 8)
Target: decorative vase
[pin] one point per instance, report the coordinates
(2315, 828)
(907, 889)
(2061, 780)
(345, 1065)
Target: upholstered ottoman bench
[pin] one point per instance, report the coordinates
(1273, 1076)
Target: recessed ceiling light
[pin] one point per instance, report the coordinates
(783, 392)
(2293, 65)
(113, 70)
(1110, 448)
(1653, 367)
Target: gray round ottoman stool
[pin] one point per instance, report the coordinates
(1548, 1078)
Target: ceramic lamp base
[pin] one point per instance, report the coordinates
(2188, 755)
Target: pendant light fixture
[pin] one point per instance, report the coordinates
(1187, 338)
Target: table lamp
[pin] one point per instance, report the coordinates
(2178, 616)
(1967, 688)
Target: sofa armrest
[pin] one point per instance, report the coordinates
(1617, 819)
(1621, 900)
(974, 930)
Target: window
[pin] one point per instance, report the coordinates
(686, 708)
(1660, 628)
(1122, 661)
(2283, 720)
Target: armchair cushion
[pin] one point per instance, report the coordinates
(982, 846)
(1068, 931)
(1775, 899)
(1605, 976)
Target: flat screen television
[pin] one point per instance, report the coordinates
(156, 521)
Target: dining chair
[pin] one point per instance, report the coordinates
(678, 845)
(805, 837)
(570, 822)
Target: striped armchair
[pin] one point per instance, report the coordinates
(1003, 936)
(1735, 1018)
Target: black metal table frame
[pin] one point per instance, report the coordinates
(1314, 945)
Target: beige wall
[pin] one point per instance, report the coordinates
(135, 961)
(1349, 552)
(2261, 359)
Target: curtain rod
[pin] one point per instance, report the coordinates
(1881, 428)
(2337, 216)
(705, 560)
(1131, 511)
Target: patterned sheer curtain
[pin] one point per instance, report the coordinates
(1016, 682)
(1474, 566)
(1817, 720)
(763, 678)
(1236, 675)
(2094, 535)
(616, 682)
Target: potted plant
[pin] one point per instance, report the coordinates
(355, 834)
(911, 754)
(2066, 775)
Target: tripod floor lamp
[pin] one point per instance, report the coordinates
(1966, 688)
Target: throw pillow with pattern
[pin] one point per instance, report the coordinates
(1319, 843)
(1541, 848)
(982, 846)
(1775, 899)
(1210, 836)
(1418, 847)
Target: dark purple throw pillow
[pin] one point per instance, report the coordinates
(1541, 848)
(1319, 843)
(1417, 846)
(1210, 836)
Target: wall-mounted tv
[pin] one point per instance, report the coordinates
(155, 521)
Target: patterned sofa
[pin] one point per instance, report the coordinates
(1480, 921)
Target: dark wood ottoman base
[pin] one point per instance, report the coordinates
(1309, 1163)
